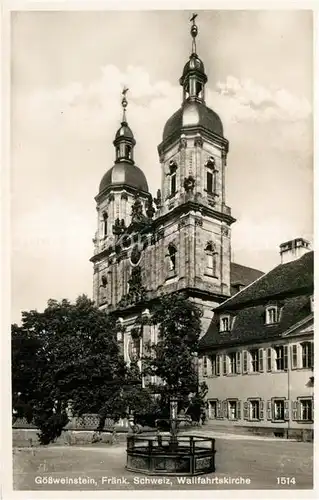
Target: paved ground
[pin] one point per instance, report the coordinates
(258, 460)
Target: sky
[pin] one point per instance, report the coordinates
(67, 73)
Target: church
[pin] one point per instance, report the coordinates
(180, 240)
(256, 347)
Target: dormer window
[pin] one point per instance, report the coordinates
(272, 315)
(224, 323)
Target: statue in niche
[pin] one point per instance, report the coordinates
(119, 227)
(158, 199)
(150, 210)
(136, 291)
(189, 184)
(137, 210)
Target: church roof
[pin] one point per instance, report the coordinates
(242, 275)
(290, 285)
(193, 114)
(124, 173)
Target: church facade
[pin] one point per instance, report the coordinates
(180, 240)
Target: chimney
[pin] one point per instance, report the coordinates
(293, 249)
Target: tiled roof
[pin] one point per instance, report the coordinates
(249, 324)
(242, 275)
(289, 285)
(282, 280)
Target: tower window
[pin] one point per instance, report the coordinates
(172, 257)
(173, 183)
(172, 172)
(209, 182)
(128, 151)
(105, 217)
(211, 255)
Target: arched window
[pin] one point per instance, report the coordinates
(105, 217)
(172, 257)
(172, 173)
(210, 175)
(128, 151)
(211, 258)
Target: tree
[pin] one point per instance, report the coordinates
(67, 357)
(173, 358)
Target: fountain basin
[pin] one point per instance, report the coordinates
(155, 455)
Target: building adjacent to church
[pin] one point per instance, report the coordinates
(257, 356)
(256, 348)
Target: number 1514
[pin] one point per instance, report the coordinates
(286, 480)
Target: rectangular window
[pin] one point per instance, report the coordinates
(271, 315)
(306, 410)
(232, 362)
(279, 350)
(225, 324)
(232, 410)
(254, 409)
(307, 354)
(254, 360)
(212, 409)
(224, 364)
(294, 356)
(173, 183)
(215, 365)
(209, 182)
(279, 409)
(269, 359)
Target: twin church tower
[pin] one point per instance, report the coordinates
(180, 240)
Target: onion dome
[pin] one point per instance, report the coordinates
(193, 112)
(124, 171)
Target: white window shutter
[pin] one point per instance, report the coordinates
(246, 410)
(293, 356)
(269, 359)
(238, 410)
(245, 361)
(261, 359)
(269, 416)
(261, 410)
(219, 409)
(285, 357)
(294, 410)
(225, 409)
(238, 362)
